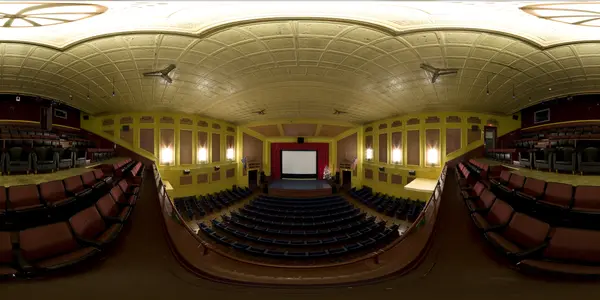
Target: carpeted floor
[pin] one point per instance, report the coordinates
(141, 266)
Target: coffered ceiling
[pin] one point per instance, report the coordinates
(300, 60)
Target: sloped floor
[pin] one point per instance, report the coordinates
(141, 266)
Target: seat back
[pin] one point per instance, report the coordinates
(107, 206)
(590, 154)
(487, 198)
(525, 231)
(516, 181)
(534, 187)
(587, 197)
(73, 184)
(88, 178)
(559, 194)
(6, 255)
(23, 196)
(15, 153)
(88, 223)
(574, 245)
(505, 175)
(500, 213)
(52, 191)
(46, 241)
(98, 174)
(117, 194)
(478, 188)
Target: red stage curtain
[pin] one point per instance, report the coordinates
(322, 156)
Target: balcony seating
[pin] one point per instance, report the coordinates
(588, 160)
(523, 236)
(111, 211)
(526, 159)
(533, 190)
(503, 179)
(475, 192)
(65, 158)
(121, 197)
(44, 159)
(482, 203)
(24, 198)
(74, 186)
(51, 247)
(565, 159)
(79, 157)
(18, 159)
(544, 159)
(570, 251)
(54, 194)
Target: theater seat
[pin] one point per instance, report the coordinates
(129, 188)
(74, 186)
(557, 200)
(24, 198)
(51, 247)
(53, 192)
(483, 203)
(121, 197)
(523, 236)
(499, 215)
(533, 190)
(6, 255)
(570, 251)
(89, 180)
(475, 192)
(110, 211)
(89, 226)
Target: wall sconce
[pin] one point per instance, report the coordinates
(166, 155)
(229, 155)
(369, 154)
(396, 155)
(202, 155)
(433, 157)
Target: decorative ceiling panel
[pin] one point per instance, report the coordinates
(332, 130)
(266, 130)
(299, 129)
(363, 60)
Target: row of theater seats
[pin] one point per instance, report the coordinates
(299, 228)
(73, 237)
(400, 208)
(314, 228)
(523, 232)
(40, 159)
(567, 159)
(193, 207)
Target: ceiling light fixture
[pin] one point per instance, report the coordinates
(18, 98)
(113, 86)
(45, 14)
(88, 94)
(576, 13)
(487, 85)
(514, 97)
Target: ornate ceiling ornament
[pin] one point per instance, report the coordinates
(574, 13)
(32, 14)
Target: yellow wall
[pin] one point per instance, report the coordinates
(505, 125)
(173, 172)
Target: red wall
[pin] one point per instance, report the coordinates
(28, 109)
(584, 107)
(322, 156)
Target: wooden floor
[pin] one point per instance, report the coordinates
(547, 176)
(22, 179)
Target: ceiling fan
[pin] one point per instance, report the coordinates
(435, 72)
(260, 112)
(164, 73)
(339, 112)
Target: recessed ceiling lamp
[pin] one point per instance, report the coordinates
(113, 86)
(88, 94)
(44, 14)
(575, 13)
(514, 97)
(18, 98)
(487, 85)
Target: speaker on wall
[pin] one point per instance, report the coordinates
(381, 169)
(515, 117)
(300, 140)
(86, 117)
(125, 127)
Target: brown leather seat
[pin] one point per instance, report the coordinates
(121, 197)
(522, 236)
(503, 179)
(24, 197)
(533, 189)
(558, 195)
(483, 203)
(587, 199)
(475, 192)
(6, 255)
(499, 215)
(98, 174)
(51, 247)
(128, 187)
(53, 192)
(89, 225)
(515, 182)
(570, 251)
(109, 209)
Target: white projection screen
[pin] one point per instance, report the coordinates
(298, 164)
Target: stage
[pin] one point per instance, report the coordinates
(300, 188)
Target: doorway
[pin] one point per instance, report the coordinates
(489, 137)
(346, 180)
(253, 179)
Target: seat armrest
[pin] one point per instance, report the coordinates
(526, 196)
(496, 228)
(22, 262)
(530, 252)
(83, 193)
(86, 242)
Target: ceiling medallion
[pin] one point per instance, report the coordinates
(32, 14)
(574, 13)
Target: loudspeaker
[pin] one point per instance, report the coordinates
(86, 117)
(412, 173)
(300, 140)
(381, 169)
(125, 127)
(515, 117)
(474, 128)
(186, 172)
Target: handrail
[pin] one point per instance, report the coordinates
(434, 198)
